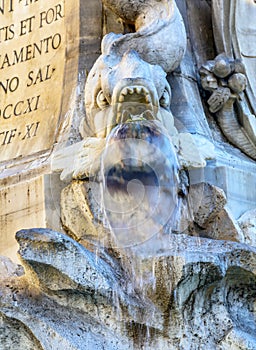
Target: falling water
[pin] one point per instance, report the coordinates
(139, 181)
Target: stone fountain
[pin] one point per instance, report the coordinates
(157, 196)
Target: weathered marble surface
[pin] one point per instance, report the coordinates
(21, 206)
(173, 292)
(194, 289)
(193, 285)
(39, 45)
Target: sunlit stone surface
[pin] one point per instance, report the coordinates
(148, 195)
(34, 43)
(38, 68)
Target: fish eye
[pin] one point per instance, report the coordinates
(165, 99)
(101, 100)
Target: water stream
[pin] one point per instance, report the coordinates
(140, 181)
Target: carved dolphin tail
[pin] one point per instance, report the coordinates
(159, 22)
(159, 40)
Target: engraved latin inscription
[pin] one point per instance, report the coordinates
(32, 65)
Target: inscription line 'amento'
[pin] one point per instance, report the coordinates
(30, 51)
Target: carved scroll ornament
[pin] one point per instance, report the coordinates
(235, 34)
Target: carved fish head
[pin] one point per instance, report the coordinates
(123, 89)
(128, 102)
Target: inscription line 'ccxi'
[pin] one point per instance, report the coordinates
(20, 108)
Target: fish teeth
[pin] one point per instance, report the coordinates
(148, 98)
(124, 92)
(140, 90)
(121, 98)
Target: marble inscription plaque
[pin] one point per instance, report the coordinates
(37, 41)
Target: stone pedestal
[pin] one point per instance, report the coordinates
(39, 45)
(236, 175)
(21, 206)
(34, 202)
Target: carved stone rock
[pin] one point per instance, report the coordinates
(169, 286)
(153, 198)
(247, 222)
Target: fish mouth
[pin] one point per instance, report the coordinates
(135, 102)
